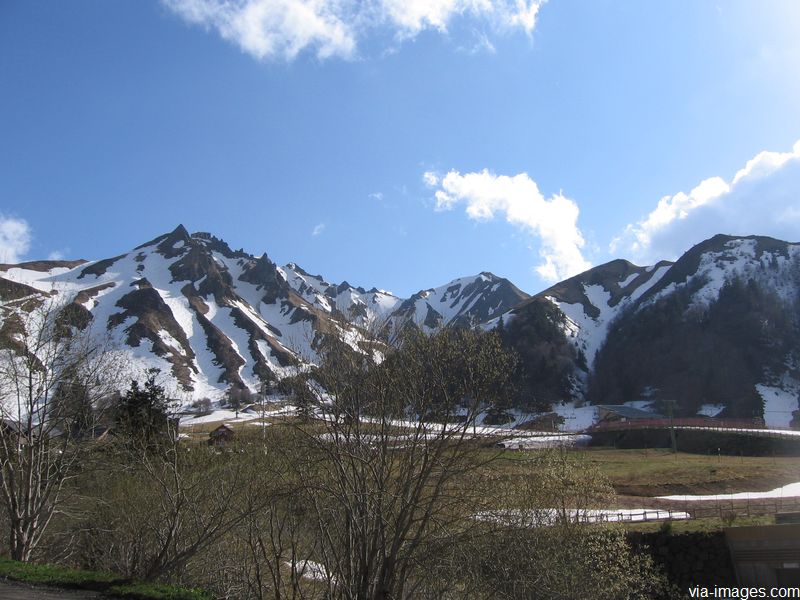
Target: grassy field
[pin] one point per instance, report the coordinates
(698, 525)
(111, 585)
(648, 473)
(633, 473)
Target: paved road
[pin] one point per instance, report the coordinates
(18, 591)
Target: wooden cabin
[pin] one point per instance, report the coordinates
(619, 413)
(221, 435)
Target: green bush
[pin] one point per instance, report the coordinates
(54, 576)
(94, 580)
(149, 591)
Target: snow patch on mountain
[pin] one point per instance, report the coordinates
(780, 401)
(369, 309)
(598, 304)
(710, 410)
(742, 258)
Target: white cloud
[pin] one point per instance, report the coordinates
(270, 28)
(284, 28)
(430, 178)
(482, 43)
(376, 196)
(762, 199)
(58, 254)
(318, 229)
(553, 221)
(15, 239)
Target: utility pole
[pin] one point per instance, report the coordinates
(671, 413)
(263, 412)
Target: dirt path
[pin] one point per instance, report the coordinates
(18, 591)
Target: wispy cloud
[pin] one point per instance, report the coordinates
(58, 254)
(318, 229)
(430, 178)
(551, 221)
(15, 239)
(481, 43)
(269, 29)
(376, 196)
(761, 198)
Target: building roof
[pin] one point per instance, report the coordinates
(629, 412)
(224, 428)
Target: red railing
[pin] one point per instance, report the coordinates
(704, 423)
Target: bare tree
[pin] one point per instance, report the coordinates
(384, 478)
(157, 508)
(52, 373)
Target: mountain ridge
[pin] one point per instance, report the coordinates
(213, 318)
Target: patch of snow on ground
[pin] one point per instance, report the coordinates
(309, 569)
(576, 418)
(546, 441)
(229, 416)
(788, 491)
(626, 282)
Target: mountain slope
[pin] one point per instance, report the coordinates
(213, 318)
(188, 304)
(368, 309)
(465, 302)
(717, 329)
(592, 300)
(721, 327)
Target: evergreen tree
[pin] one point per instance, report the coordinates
(142, 415)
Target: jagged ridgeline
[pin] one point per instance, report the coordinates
(718, 328)
(211, 317)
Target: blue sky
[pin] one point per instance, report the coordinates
(400, 144)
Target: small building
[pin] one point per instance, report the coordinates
(545, 422)
(620, 413)
(221, 435)
(765, 555)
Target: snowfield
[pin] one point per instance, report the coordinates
(221, 415)
(787, 491)
(779, 403)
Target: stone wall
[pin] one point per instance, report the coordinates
(688, 559)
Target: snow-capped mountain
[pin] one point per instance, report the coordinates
(211, 317)
(467, 302)
(719, 327)
(369, 309)
(592, 300)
